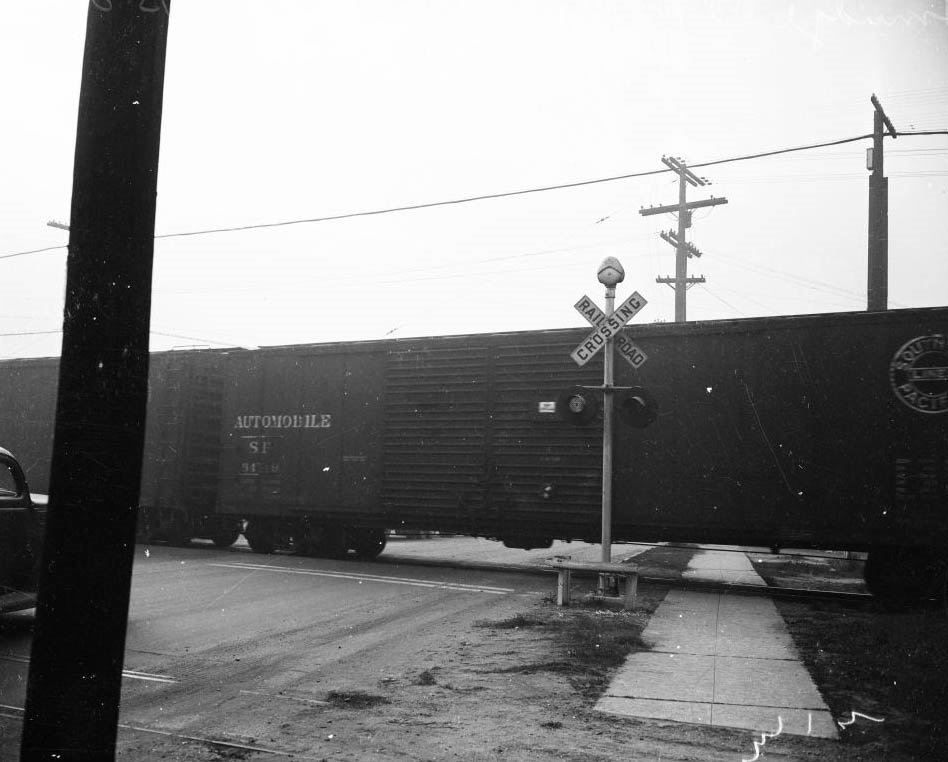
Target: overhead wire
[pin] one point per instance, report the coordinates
(764, 154)
(153, 333)
(192, 338)
(30, 333)
(503, 194)
(508, 194)
(32, 251)
(810, 283)
(723, 301)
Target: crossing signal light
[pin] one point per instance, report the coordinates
(578, 406)
(637, 408)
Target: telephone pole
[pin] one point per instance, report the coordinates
(682, 282)
(75, 677)
(877, 291)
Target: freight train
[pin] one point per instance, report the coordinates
(814, 431)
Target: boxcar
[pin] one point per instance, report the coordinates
(805, 431)
(182, 440)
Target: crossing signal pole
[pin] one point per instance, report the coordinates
(877, 290)
(682, 282)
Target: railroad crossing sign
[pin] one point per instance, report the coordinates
(608, 327)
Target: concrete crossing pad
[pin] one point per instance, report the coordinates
(722, 660)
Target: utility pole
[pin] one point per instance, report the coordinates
(877, 291)
(682, 282)
(75, 677)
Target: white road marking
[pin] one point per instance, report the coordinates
(227, 744)
(375, 578)
(199, 739)
(131, 674)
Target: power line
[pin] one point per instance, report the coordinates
(32, 251)
(723, 301)
(814, 145)
(504, 194)
(30, 333)
(829, 177)
(394, 276)
(508, 194)
(810, 283)
(192, 338)
(153, 333)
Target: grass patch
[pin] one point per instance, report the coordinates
(531, 669)
(354, 699)
(810, 572)
(513, 623)
(892, 666)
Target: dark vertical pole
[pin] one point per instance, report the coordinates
(878, 270)
(75, 674)
(681, 253)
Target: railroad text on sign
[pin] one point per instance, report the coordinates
(630, 351)
(590, 310)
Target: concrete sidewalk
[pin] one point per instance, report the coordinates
(715, 565)
(719, 659)
(487, 553)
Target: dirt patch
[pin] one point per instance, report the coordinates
(518, 686)
(522, 685)
(591, 642)
(517, 681)
(515, 622)
(510, 677)
(889, 666)
(354, 699)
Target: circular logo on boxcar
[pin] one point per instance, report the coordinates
(919, 374)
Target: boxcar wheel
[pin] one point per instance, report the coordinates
(176, 532)
(335, 542)
(368, 543)
(225, 537)
(903, 577)
(260, 537)
(322, 541)
(144, 531)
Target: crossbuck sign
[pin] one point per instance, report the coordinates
(607, 327)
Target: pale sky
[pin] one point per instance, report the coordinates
(294, 109)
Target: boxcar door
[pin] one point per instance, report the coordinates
(547, 474)
(436, 468)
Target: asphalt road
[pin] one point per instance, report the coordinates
(218, 639)
(231, 654)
